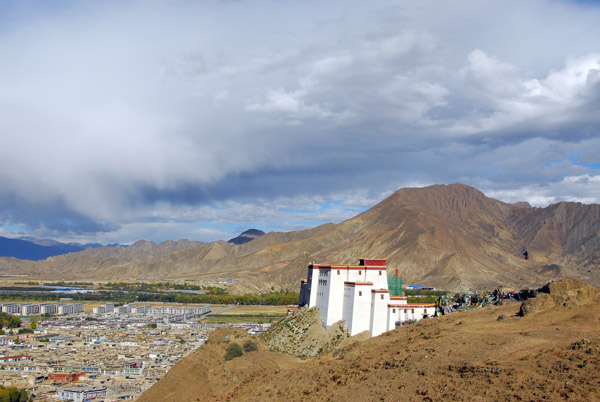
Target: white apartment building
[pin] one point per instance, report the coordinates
(99, 310)
(104, 309)
(11, 308)
(48, 308)
(81, 394)
(30, 309)
(126, 309)
(64, 309)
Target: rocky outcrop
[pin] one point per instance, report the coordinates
(562, 293)
(303, 334)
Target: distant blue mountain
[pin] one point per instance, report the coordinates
(27, 248)
(246, 236)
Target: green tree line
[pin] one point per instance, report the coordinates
(12, 394)
(128, 296)
(9, 321)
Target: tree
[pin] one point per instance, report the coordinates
(14, 322)
(9, 321)
(250, 345)
(12, 394)
(33, 324)
(233, 350)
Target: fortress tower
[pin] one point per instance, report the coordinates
(359, 295)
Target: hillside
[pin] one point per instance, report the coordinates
(484, 354)
(448, 236)
(303, 334)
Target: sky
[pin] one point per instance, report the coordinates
(123, 120)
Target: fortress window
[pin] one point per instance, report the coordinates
(381, 297)
(338, 271)
(393, 310)
(412, 310)
(379, 273)
(360, 272)
(360, 293)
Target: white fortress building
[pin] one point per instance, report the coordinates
(359, 295)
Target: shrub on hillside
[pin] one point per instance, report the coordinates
(233, 350)
(250, 346)
(12, 394)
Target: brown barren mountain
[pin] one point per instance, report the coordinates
(448, 236)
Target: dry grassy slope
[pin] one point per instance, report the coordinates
(449, 236)
(204, 374)
(553, 355)
(303, 334)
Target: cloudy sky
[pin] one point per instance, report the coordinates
(130, 119)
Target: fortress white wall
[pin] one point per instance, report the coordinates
(359, 295)
(360, 308)
(379, 308)
(335, 306)
(413, 312)
(312, 286)
(322, 288)
(348, 304)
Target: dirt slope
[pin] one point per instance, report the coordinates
(486, 354)
(204, 374)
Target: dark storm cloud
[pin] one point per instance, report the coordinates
(189, 119)
(53, 216)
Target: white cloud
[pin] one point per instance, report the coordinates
(506, 96)
(125, 112)
(584, 189)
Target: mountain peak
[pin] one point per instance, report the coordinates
(522, 205)
(246, 236)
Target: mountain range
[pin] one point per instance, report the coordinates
(29, 248)
(447, 236)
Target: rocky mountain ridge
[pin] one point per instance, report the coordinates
(448, 236)
(29, 248)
